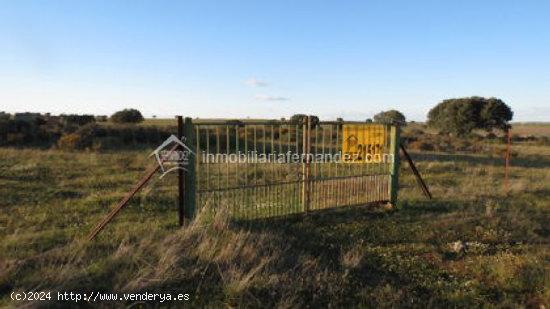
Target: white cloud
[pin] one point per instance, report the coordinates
(264, 97)
(254, 82)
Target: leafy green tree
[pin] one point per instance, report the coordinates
(495, 114)
(4, 116)
(128, 115)
(302, 118)
(462, 115)
(390, 116)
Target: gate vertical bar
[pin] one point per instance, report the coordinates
(304, 177)
(308, 164)
(394, 150)
(189, 196)
(181, 180)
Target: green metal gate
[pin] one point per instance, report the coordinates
(268, 168)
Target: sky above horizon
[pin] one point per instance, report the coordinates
(271, 59)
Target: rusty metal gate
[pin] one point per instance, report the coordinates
(268, 168)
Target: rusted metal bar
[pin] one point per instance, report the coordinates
(419, 179)
(128, 196)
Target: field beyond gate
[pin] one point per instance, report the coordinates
(343, 258)
(272, 168)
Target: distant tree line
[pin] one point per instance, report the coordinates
(458, 117)
(44, 130)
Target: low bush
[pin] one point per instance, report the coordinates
(420, 145)
(78, 120)
(128, 115)
(70, 141)
(81, 139)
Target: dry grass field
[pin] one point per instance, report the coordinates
(472, 245)
(534, 129)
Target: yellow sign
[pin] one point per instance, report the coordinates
(364, 143)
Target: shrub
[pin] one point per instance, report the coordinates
(390, 116)
(78, 120)
(24, 131)
(421, 145)
(543, 141)
(128, 115)
(4, 116)
(235, 122)
(4, 128)
(416, 132)
(81, 139)
(70, 141)
(302, 118)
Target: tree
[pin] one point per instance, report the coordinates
(462, 115)
(302, 119)
(495, 114)
(390, 116)
(128, 115)
(4, 116)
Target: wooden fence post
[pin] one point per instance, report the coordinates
(189, 178)
(394, 150)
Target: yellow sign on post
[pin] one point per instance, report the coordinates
(364, 143)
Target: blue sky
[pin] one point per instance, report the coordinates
(271, 59)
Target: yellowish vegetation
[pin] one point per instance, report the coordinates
(473, 245)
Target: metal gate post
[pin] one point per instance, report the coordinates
(189, 195)
(181, 180)
(394, 173)
(306, 140)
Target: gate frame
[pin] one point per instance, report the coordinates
(186, 179)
